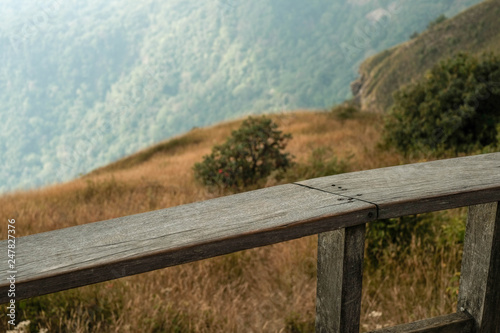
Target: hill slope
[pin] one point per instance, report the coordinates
(267, 289)
(476, 30)
(85, 83)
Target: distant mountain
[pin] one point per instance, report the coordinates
(85, 83)
(476, 30)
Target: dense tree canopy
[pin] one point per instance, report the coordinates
(86, 82)
(455, 108)
(250, 154)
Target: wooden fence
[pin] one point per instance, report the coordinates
(335, 207)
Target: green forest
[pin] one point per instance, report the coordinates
(85, 83)
(474, 31)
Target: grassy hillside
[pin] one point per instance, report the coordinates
(84, 83)
(270, 289)
(476, 30)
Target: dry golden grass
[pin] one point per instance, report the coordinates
(270, 289)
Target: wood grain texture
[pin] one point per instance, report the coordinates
(479, 292)
(340, 276)
(422, 187)
(100, 251)
(452, 323)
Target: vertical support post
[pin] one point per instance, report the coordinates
(340, 275)
(480, 277)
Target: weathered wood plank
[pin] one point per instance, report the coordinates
(422, 187)
(100, 251)
(479, 292)
(452, 323)
(340, 275)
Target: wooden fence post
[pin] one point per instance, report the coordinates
(340, 274)
(480, 277)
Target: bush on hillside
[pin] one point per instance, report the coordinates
(438, 20)
(346, 110)
(393, 240)
(454, 108)
(249, 155)
(322, 162)
(386, 236)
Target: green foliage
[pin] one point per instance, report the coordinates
(382, 235)
(475, 30)
(494, 147)
(452, 231)
(296, 323)
(345, 111)
(168, 147)
(101, 191)
(455, 108)
(415, 34)
(438, 20)
(249, 155)
(94, 90)
(322, 162)
(393, 239)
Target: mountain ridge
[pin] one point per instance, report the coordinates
(476, 30)
(84, 84)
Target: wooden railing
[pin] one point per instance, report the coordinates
(335, 207)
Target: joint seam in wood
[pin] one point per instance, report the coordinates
(343, 195)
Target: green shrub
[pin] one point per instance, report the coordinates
(438, 20)
(391, 240)
(296, 323)
(345, 111)
(454, 109)
(322, 162)
(395, 235)
(100, 191)
(249, 155)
